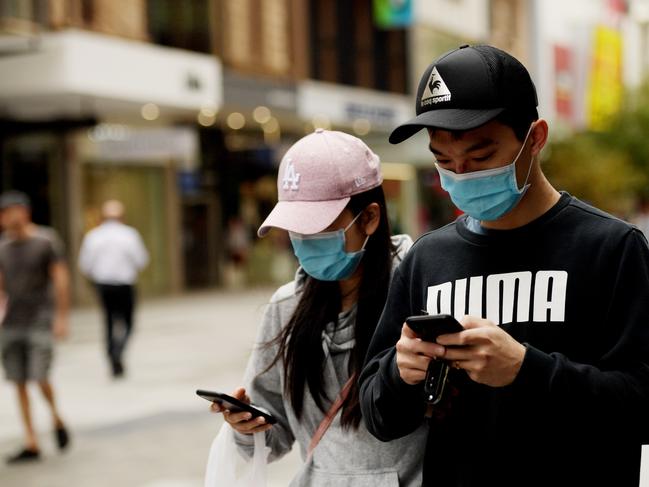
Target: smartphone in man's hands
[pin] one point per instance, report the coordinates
(429, 327)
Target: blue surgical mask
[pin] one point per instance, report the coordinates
(485, 195)
(323, 255)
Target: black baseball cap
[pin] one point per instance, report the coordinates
(467, 87)
(14, 198)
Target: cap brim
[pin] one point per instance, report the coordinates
(305, 217)
(446, 119)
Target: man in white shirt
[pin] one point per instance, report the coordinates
(111, 256)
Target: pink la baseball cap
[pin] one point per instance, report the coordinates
(316, 179)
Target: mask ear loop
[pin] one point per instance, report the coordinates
(529, 169)
(365, 243)
(367, 237)
(353, 221)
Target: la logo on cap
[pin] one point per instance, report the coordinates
(291, 178)
(436, 90)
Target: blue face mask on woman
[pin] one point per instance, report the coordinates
(323, 255)
(488, 194)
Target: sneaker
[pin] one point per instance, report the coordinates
(25, 455)
(62, 437)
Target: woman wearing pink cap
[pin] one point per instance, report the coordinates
(316, 329)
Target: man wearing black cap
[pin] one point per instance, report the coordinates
(34, 281)
(550, 378)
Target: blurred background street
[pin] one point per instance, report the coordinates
(148, 429)
(182, 111)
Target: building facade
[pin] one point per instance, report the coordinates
(92, 108)
(184, 109)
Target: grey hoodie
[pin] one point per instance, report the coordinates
(344, 457)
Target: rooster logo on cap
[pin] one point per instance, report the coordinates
(436, 90)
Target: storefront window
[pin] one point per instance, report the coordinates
(142, 189)
(33, 163)
(248, 191)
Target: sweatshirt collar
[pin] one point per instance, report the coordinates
(489, 235)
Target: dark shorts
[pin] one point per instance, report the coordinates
(26, 356)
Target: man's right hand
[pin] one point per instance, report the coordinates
(242, 422)
(414, 355)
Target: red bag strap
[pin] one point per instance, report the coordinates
(331, 414)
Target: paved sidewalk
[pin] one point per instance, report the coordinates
(149, 429)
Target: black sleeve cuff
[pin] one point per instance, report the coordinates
(535, 372)
(393, 381)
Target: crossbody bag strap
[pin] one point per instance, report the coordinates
(329, 417)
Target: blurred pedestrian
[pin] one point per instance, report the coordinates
(34, 279)
(316, 329)
(551, 372)
(111, 256)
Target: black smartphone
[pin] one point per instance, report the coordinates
(234, 405)
(429, 327)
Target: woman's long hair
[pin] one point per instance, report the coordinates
(300, 341)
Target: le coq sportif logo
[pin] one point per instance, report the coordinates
(436, 90)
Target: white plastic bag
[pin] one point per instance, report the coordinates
(228, 467)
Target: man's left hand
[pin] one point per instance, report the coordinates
(487, 353)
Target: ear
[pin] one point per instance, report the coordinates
(539, 136)
(371, 218)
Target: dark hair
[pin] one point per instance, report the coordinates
(519, 120)
(300, 341)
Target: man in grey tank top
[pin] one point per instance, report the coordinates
(34, 303)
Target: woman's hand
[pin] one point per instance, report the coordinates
(242, 422)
